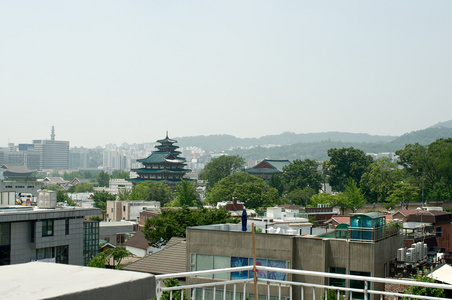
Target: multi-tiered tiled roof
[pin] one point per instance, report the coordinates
(163, 165)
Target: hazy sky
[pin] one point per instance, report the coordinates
(127, 71)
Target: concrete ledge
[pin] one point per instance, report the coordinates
(39, 280)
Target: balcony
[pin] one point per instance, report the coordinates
(354, 287)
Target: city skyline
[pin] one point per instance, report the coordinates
(103, 72)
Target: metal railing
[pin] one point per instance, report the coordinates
(237, 289)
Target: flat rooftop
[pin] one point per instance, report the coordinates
(40, 280)
(28, 213)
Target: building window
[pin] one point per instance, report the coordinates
(5, 243)
(66, 226)
(438, 231)
(33, 231)
(337, 281)
(358, 284)
(124, 208)
(45, 253)
(47, 228)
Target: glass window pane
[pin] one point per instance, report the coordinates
(221, 262)
(204, 262)
(239, 262)
(277, 264)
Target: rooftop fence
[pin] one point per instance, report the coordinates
(287, 289)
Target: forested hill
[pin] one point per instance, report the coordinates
(226, 142)
(318, 150)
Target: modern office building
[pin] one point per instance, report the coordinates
(45, 233)
(54, 154)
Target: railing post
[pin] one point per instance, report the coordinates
(224, 292)
(244, 291)
(159, 289)
(235, 291)
(302, 292)
(268, 290)
(214, 292)
(365, 290)
(313, 293)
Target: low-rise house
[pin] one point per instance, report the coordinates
(128, 210)
(116, 233)
(442, 224)
(138, 245)
(171, 259)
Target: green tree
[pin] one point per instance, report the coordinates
(101, 198)
(124, 194)
(83, 187)
(103, 179)
(175, 294)
(185, 194)
(300, 196)
(99, 261)
(173, 223)
(354, 198)
(220, 168)
(300, 174)
(276, 182)
(151, 191)
(253, 191)
(381, 177)
(110, 257)
(424, 291)
(346, 163)
(117, 174)
(428, 165)
(338, 199)
(403, 193)
(62, 196)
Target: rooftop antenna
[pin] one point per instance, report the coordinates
(167, 134)
(52, 136)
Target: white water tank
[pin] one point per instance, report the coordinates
(47, 199)
(401, 254)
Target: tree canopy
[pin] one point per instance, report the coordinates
(220, 168)
(253, 191)
(186, 195)
(300, 174)
(173, 223)
(101, 198)
(103, 179)
(346, 163)
(151, 191)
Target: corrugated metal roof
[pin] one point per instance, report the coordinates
(171, 259)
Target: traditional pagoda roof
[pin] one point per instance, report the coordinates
(166, 140)
(138, 180)
(161, 157)
(268, 166)
(164, 163)
(160, 171)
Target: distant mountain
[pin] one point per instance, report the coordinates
(447, 124)
(318, 150)
(227, 142)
